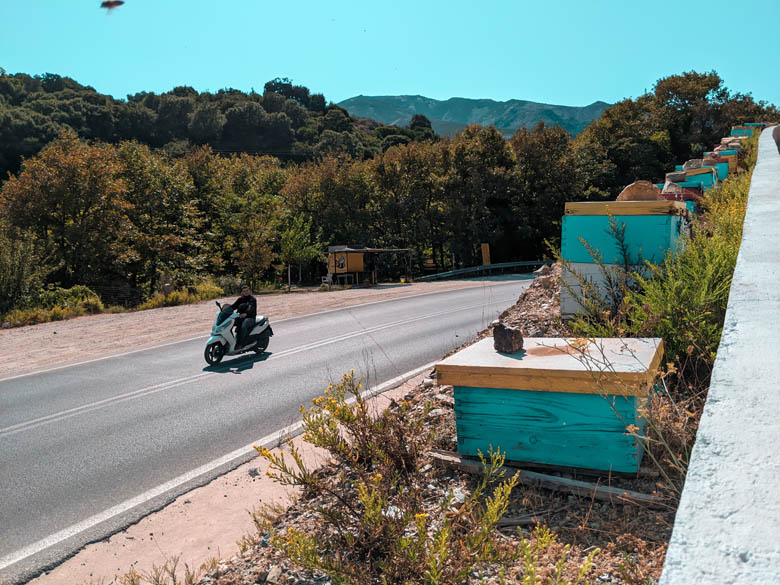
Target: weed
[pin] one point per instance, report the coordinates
(372, 526)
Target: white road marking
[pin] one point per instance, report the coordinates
(267, 441)
(115, 355)
(142, 392)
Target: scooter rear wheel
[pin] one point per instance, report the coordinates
(214, 353)
(262, 344)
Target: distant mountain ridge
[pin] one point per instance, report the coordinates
(449, 116)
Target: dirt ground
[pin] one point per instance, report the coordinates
(48, 345)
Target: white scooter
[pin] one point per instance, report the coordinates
(223, 339)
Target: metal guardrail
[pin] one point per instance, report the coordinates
(477, 270)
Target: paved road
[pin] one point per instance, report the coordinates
(90, 448)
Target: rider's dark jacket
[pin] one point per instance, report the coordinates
(246, 305)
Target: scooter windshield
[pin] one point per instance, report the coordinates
(224, 315)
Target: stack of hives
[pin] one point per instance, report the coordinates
(654, 219)
(577, 403)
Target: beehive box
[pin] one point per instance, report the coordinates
(706, 176)
(741, 131)
(652, 229)
(728, 156)
(722, 169)
(576, 275)
(554, 402)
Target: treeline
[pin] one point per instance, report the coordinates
(286, 120)
(127, 214)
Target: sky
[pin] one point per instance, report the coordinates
(553, 51)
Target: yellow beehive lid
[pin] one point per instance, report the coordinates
(701, 171)
(611, 366)
(625, 208)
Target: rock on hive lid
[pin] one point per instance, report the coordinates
(640, 191)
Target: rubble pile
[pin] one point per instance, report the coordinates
(537, 312)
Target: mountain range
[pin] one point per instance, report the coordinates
(450, 116)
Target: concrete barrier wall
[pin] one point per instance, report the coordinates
(727, 529)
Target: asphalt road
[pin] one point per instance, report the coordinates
(88, 449)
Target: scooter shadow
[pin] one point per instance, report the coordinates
(239, 364)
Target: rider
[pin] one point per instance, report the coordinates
(246, 305)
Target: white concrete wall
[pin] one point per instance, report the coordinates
(727, 529)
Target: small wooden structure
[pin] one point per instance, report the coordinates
(355, 264)
(555, 402)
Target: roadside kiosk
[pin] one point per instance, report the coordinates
(356, 265)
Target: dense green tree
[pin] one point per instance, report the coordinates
(206, 124)
(297, 244)
(71, 197)
(134, 121)
(173, 116)
(23, 133)
(285, 87)
(546, 178)
(336, 119)
(164, 218)
(23, 266)
(478, 184)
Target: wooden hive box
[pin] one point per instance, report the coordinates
(722, 168)
(554, 403)
(706, 176)
(723, 156)
(741, 131)
(652, 229)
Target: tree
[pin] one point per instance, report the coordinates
(545, 179)
(163, 215)
(23, 266)
(206, 124)
(71, 196)
(336, 119)
(297, 244)
(478, 184)
(173, 116)
(421, 128)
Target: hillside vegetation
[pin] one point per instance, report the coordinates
(129, 215)
(286, 120)
(451, 116)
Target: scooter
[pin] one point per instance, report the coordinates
(223, 339)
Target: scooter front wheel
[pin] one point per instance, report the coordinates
(214, 353)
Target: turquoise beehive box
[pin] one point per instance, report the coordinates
(652, 229)
(722, 170)
(558, 402)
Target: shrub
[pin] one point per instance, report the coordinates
(54, 304)
(22, 267)
(371, 524)
(78, 296)
(208, 289)
(204, 290)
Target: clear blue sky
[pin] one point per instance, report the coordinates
(555, 51)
